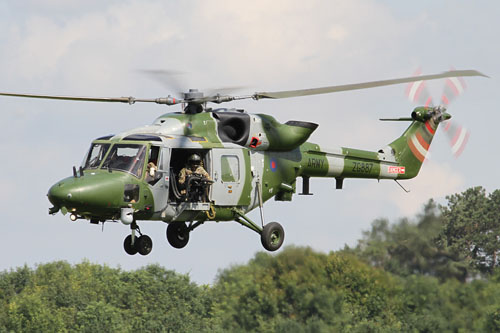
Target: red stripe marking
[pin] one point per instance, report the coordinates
(410, 85)
(445, 99)
(408, 88)
(462, 81)
(422, 141)
(456, 136)
(429, 128)
(415, 152)
(462, 147)
(419, 91)
(453, 87)
(428, 101)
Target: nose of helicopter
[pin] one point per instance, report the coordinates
(61, 193)
(87, 192)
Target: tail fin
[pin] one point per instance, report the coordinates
(411, 148)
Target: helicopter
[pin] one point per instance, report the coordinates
(247, 159)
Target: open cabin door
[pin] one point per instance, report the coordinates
(229, 174)
(159, 183)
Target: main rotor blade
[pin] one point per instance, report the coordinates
(73, 98)
(364, 85)
(129, 100)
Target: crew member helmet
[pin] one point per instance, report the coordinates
(194, 159)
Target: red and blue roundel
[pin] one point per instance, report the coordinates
(273, 164)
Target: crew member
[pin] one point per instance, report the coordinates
(193, 167)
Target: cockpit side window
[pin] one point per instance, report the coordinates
(126, 157)
(152, 168)
(96, 155)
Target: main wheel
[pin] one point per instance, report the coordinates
(127, 245)
(177, 234)
(272, 236)
(144, 245)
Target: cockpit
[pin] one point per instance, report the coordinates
(95, 155)
(127, 157)
(150, 161)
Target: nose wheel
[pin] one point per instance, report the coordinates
(133, 244)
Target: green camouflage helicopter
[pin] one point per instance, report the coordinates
(246, 159)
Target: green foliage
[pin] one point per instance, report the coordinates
(457, 241)
(416, 276)
(407, 248)
(91, 298)
(273, 293)
(472, 227)
(301, 290)
(298, 290)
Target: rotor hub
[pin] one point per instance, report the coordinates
(193, 94)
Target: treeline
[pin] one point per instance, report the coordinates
(438, 273)
(460, 240)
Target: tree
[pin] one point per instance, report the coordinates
(408, 247)
(92, 298)
(472, 227)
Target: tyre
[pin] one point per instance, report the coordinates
(177, 234)
(127, 245)
(144, 245)
(272, 236)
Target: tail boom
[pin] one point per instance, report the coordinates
(401, 159)
(350, 163)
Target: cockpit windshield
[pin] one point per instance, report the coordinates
(126, 157)
(95, 155)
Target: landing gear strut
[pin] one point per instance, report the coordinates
(133, 244)
(272, 234)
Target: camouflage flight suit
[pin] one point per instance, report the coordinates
(188, 172)
(185, 172)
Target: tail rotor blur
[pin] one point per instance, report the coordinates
(458, 136)
(418, 93)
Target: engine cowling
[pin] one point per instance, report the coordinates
(286, 136)
(262, 132)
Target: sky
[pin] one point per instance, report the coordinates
(101, 48)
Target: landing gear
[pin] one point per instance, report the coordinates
(178, 234)
(128, 246)
(144, 245)
(133, 244)
(272, 236)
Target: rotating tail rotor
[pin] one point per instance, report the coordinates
(458, 136)
(418, 93)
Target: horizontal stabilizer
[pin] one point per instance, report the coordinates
(397, 119)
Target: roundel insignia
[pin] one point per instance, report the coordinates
(189, 125)
(273, 164)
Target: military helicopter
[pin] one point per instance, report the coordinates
(246, 159)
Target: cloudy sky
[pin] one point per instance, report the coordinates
(97, 48)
